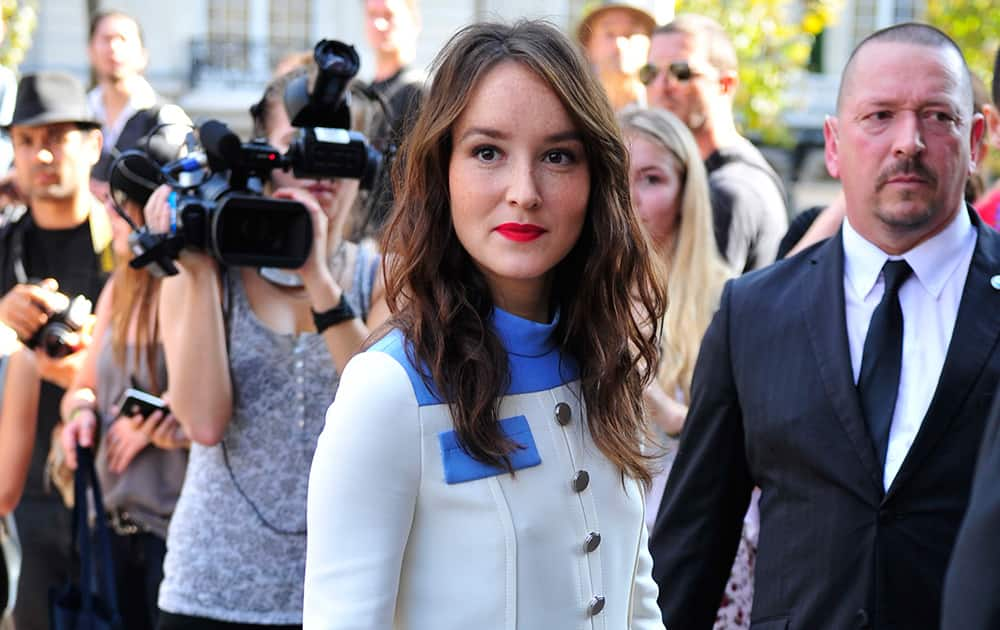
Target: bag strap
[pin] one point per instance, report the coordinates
(85, 476)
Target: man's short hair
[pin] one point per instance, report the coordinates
(101, 15)
(713, 38)
(915, 33)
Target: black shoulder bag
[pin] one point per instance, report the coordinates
(81, 606)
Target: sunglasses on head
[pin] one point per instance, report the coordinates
(680, 70)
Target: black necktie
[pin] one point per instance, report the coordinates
(882, 359)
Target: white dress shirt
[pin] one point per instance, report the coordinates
(142, 97)
(929, 299)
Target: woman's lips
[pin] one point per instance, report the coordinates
(520, 232)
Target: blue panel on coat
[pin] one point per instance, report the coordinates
(459, 466)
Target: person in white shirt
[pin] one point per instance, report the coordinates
(482, 465)
(850, 382)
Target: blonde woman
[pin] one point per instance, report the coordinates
(670, 194)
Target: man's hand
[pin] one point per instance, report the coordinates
(26, 307)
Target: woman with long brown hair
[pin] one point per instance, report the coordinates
(482, 465)
(141, 461)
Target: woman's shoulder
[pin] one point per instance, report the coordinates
(395, 345)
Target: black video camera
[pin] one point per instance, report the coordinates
(218, 204)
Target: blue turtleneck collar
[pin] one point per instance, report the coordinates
(536, 364)
(524, 337)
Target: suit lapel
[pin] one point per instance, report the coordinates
(825, 320)
(973, 340)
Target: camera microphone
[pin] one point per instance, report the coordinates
(222, 146)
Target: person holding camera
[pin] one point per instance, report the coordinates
(253, 359)
(141, 458)
(59, 245)
(482, 465)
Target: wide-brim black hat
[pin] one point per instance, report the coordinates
(46, 98)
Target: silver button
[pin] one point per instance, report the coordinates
(596, 605)
(302, 423)
(298, 364)
(563, 414)
(581, 480)
(592, 542)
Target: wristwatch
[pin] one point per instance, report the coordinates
(339, 313)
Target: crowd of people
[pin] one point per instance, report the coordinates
(564, 364)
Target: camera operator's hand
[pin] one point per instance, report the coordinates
(26, 307)
(61, 371)
(80, 429)
(157, 214)
(316, 271)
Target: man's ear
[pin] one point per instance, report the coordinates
(94, 141)
(728, 82)
(831, 150)
(992, 115)
(978, 139)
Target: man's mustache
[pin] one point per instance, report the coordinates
(909, 166)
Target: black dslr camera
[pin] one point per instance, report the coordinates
(217, 201)
(56, 336)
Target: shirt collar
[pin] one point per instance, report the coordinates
(933, 261)
(142, 96)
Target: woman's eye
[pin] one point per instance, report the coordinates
(559, 157)
(487, 154)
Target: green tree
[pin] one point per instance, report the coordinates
(19, 20)
(975, 27)
(773, 40)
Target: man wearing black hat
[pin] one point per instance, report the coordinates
(58, 243)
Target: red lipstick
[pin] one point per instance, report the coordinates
(520, 232)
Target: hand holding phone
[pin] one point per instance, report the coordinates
(135, 401)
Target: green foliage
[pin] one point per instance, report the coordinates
(20, 19)
(773, 40)
(975, 27)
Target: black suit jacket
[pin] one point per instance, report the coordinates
(972, 585)
(774, 405)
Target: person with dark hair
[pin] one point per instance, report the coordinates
(123, 101)
(973, 578)
(850, 382)
(482, 463)
(58, 245)
(693, 72)
(140, 460)
(254, 357)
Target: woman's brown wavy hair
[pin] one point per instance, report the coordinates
(605, 290)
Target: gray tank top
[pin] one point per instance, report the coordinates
(236, 546)
(149, 487)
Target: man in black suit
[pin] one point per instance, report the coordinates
(973, 579)
(849, 383)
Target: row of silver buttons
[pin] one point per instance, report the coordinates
(579, 483)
